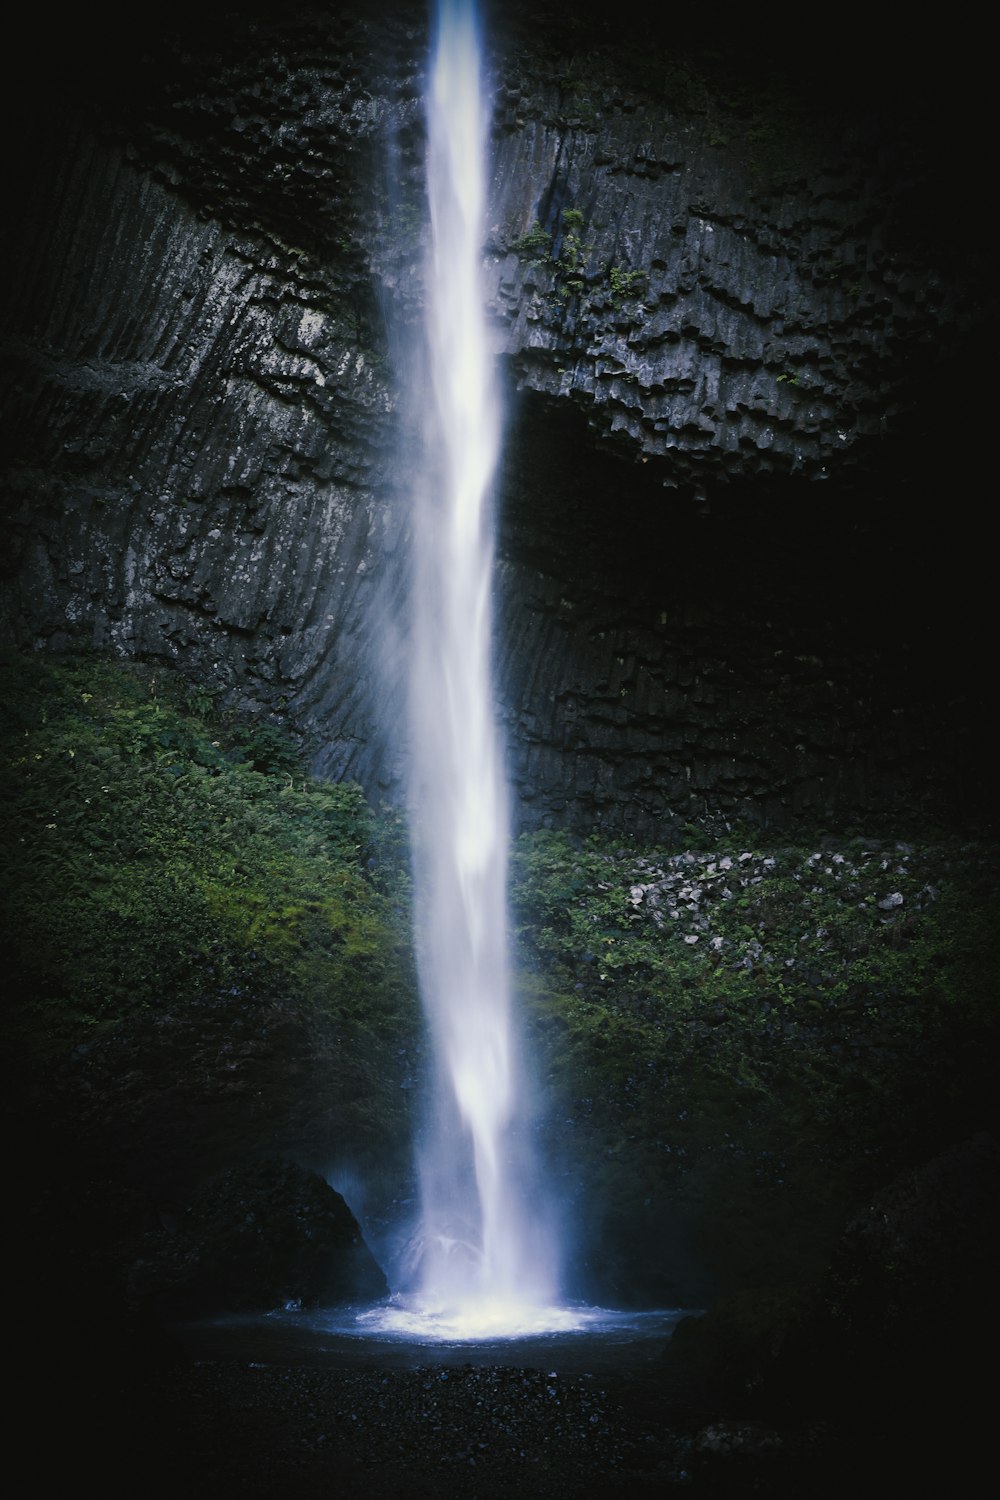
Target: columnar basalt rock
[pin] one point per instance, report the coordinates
(735, 311)
(725, 312)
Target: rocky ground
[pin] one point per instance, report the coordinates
(471, 1432)
(482, 1433)
(174, 1424)
(873, 1383)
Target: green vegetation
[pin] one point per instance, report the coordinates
(569, 265)
(625, 283)
(162, 858)
(535, 245)
(738, 1042)
(758, 1033)
(573, 255)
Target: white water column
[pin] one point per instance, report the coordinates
(482, 1250)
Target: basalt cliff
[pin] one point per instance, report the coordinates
(740, 333)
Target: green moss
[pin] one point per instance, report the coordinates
(162, 856)
(762, 1034)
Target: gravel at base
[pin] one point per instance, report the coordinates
(470, 1432)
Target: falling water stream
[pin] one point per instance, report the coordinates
(483, 1258)
(484, 1262)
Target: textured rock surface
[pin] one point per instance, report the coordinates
(726, 289)
(255, 1238)
(739, 281)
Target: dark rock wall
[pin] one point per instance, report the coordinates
(733, 340)
(192, 412)
(677, 663)
(735, 294)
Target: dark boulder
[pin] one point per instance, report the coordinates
(255, 1238)
(745, 1354)
(911, 1293)
(887, 1347)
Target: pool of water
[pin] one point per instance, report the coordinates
(579, 1339)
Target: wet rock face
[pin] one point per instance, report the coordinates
(738, 308)
(726, 313)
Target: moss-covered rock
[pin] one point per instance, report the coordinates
(742, 1039)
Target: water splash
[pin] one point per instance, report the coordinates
(482, 1256)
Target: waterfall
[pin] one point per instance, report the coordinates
(483, 1260)
(482, 1252)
